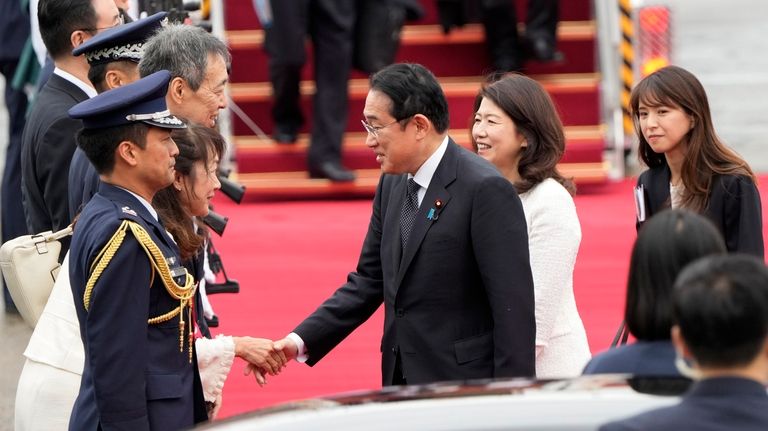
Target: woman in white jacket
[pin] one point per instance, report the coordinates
(516, 127)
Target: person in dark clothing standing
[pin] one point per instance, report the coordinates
(14, 33)
(48, 140)
(329, 24)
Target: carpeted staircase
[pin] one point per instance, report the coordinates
(459, 60)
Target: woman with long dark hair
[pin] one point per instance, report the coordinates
(688, 165)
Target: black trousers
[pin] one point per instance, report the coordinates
(500, 22)
(329, 25)
(13, 221)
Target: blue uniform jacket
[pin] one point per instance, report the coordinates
(135, 377)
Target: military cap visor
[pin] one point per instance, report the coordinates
(124, 42)
(140, 101)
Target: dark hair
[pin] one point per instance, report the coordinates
(59, 18)
(413, 90)
(665, 245)
(531, 109)
(706, 155)
(721, 307)
(98, 72)
(196, 144)
(99, 145)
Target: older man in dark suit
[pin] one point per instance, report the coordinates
(446, 251)
(721, 313)
(48, 140)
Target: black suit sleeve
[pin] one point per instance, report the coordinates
(52, 166)
(497, 222)
(743, 220)
(116, 338)
(354, 302)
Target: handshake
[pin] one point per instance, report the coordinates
(264, 356)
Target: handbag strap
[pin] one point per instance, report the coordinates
(621, 335)
(54, 236)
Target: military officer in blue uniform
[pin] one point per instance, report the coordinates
(113, 56)
(133, 298)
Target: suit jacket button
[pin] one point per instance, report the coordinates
(400, 312)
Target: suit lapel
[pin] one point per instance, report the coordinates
(444, 175)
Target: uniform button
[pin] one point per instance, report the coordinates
(400, 312)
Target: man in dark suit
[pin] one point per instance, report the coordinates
(721, 314)
(446, 251)
(48, 140)
(132, 295)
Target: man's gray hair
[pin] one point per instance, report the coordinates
(182, 50)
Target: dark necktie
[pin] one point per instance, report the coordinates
(409, 210)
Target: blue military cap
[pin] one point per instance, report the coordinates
(142, 100)
(124, 42)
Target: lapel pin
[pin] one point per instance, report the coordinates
(438, 203)
(432, 215)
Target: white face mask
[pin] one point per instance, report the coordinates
(685, 368)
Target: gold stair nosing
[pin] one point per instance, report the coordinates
(452, 86)
(368, 179)
(356, 140)
(431, 34)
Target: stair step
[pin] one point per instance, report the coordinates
(575, 40)
(243, 17)
(583, 144)
(427, 35)
(575, 95)
(293, 185)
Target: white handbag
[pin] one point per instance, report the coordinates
(30, 264)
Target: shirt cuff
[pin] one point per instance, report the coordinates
(302, 350)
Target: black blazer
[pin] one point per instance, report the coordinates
(458, 301)
(716, 404)
(134, 377)
(47, 146)
(734, 207)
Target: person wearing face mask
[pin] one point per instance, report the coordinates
(516, 127)
(721, 329)
(688, 165)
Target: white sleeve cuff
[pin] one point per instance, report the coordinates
(302, 355)
(214, 360)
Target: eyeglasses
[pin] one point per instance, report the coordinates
(120, 21)
(374, 130)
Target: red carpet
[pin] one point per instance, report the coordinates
(290, 256)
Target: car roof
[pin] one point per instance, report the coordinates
(508, 404)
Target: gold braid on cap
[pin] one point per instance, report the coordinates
(184, 294)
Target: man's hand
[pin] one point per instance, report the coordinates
(260, 353)
(287, 347)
